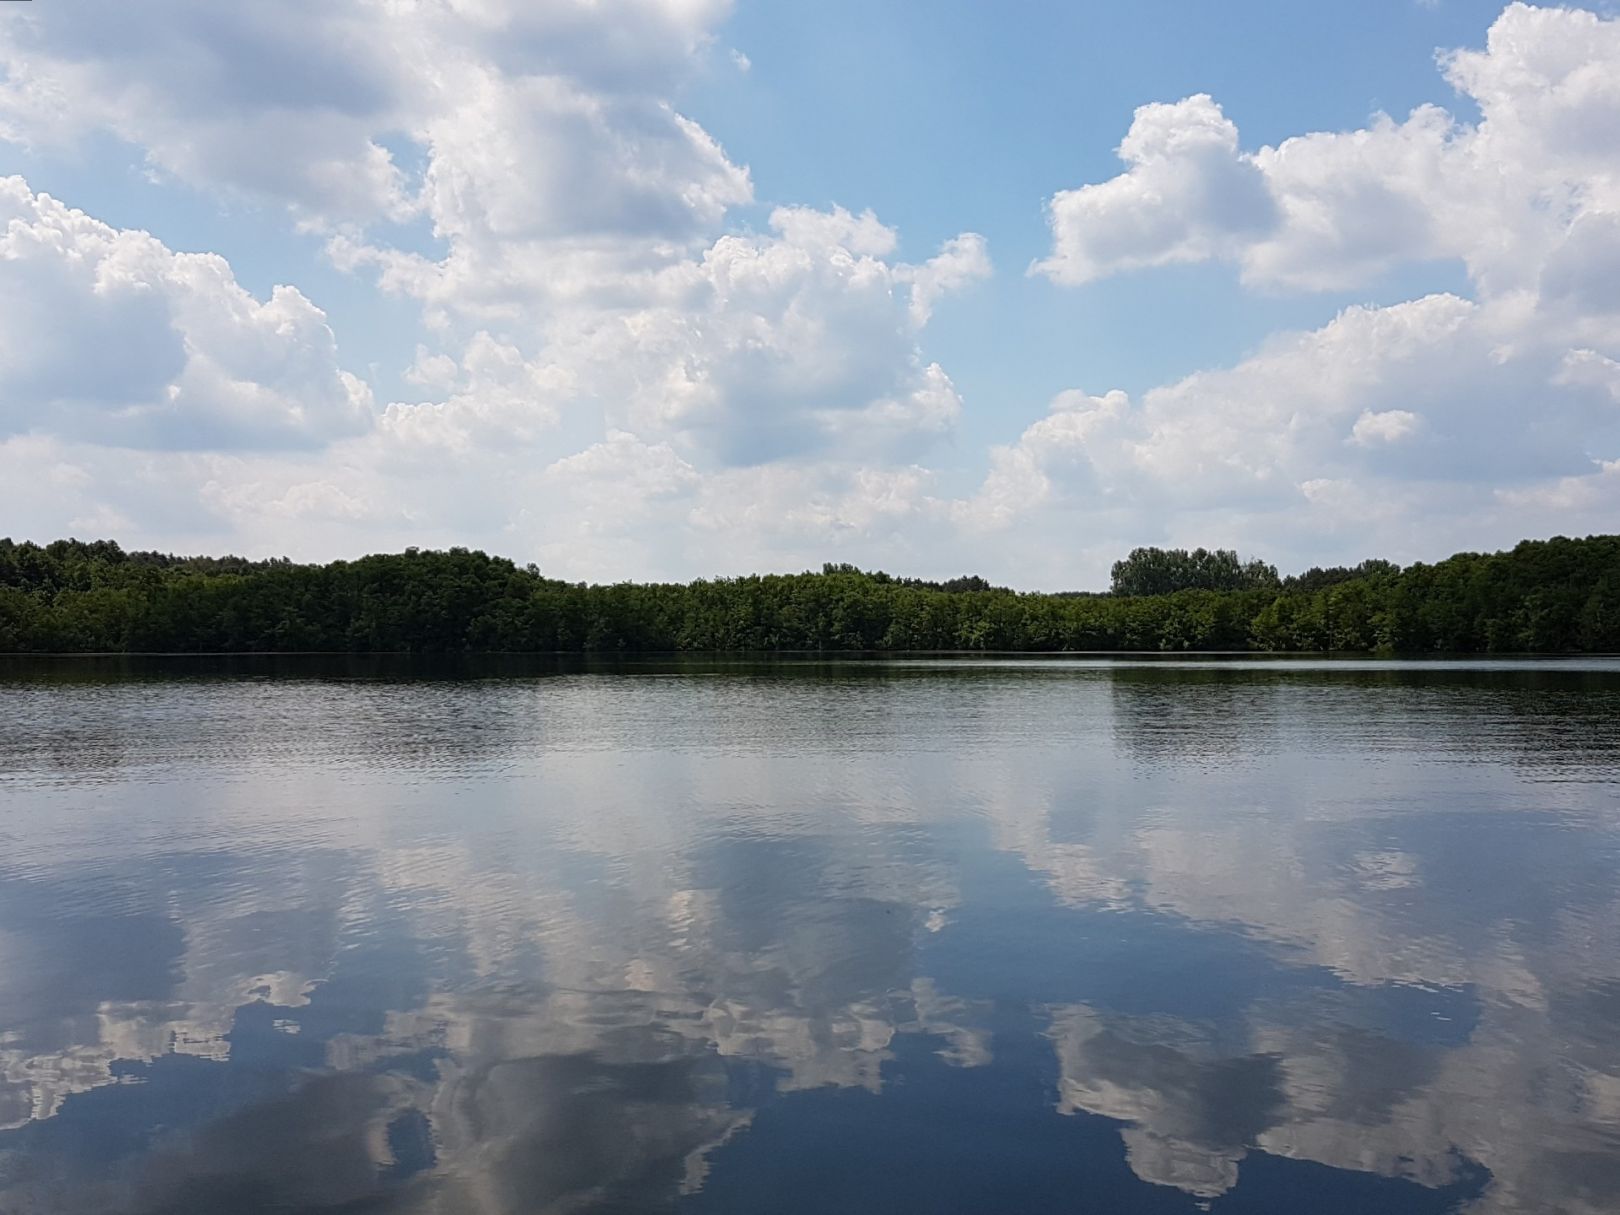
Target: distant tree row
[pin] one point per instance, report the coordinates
(1551, 596)
(1164, 571)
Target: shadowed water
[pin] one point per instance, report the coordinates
(935, 936)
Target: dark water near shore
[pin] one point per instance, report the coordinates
(1080, 936)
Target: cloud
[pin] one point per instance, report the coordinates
(124, 342)
(494, 396)
(582, 247)
(280, 103)
(627, 508)
(625, 475)
(1390, 426)
(798, 342)
(1440, 408)
(962, 261)
(1188, 195)
(1440, 368)
(531, 120)
(538, 158)
(1329, 210)
(301, 104)
(585, 261)
(1057, 450)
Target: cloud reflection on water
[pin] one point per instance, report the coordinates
(588, 943)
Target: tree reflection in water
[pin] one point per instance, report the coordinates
(905, 936)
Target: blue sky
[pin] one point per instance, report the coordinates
(661, 288)
(974, 117)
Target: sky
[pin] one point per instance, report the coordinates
(641, 289)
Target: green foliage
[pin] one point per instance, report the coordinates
(1551, 596)
(1164, 571)
(1316, 578)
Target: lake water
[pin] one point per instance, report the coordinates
(935, 936)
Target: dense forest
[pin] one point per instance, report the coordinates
(1544, 596)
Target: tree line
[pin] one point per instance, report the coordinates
(1543, 596)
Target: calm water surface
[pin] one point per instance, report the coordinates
(934, 936)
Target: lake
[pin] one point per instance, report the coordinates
(1085, 936)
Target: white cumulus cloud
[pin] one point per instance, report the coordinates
(1188, 195)
(117, 340)
(1334, 209)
